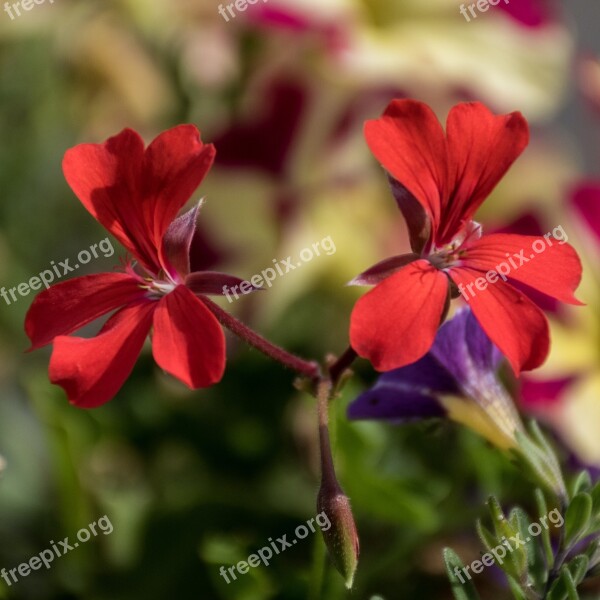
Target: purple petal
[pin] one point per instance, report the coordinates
(178, 240)
(417, 221)
(377, 273)
(406, 393)
(213, 283)
(464, 349)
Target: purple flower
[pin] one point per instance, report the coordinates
(458, 378)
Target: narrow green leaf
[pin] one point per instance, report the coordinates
(515, 561)
(558, 590)
(592, 549)
(536, 563)
(519, 521)
(545, 535)
(581, 483)
(545, 445)
(496, 511)
(569, 584)
(461, 590)
(578, 567)
(543, 467)
(577, 518)
(488, 539)
(516, 590)
(595, 493)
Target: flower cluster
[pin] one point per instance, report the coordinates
(438, 178)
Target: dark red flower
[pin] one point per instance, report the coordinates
(585, 199)
(136, 194)
(439, 180)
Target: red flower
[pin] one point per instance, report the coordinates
(135, 193)
(439, 180)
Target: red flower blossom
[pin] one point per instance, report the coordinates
(439, 180)
(135, 193)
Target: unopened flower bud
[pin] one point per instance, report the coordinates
(341, 538)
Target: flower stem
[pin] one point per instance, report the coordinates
(336, 370)
(327, 467)
(303, 367)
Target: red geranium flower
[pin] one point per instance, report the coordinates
(439, 180)
(135, 193)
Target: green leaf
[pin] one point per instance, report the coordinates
(569, 584)
(516, 590)
(565, 587)
(581, 483)
(488, 539)
(558, 591)
(577, 518)
(515, 563)
(536, 564)
(541, 461)
(595, 493)
(496, 511)
(578, 567)
(546, 542)
(462, 590)
(592, 548)
(545, 445)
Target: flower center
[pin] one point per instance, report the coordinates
(160, 288)
(157, 286)
(449, 254)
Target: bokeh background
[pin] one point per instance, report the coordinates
(195, 480)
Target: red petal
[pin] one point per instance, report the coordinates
(512, 321)
(555, 271)
(481, 148)
(188, 341)
(175, 164)
(92, 371)
(136, 194)
(409, 142)
(69, 305)
(395, 323)
(107, 179)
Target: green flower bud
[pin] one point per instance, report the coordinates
(341, 538)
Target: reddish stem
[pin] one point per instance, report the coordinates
(336, 370)
(303, 367)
